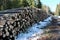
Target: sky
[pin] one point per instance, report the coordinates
(51, 3)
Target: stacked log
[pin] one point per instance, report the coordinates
(19, 21)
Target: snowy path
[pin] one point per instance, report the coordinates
(34, 29)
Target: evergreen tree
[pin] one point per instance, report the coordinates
(5, 4)
(39, 5)
(57, 10)
(8, 4)
(1, 4)
(15, 3)
(31, 3)
(25, 3)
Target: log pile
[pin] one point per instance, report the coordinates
(19, 21)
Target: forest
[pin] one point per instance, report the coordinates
(9, 4)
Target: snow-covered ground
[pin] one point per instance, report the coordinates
(34, 30)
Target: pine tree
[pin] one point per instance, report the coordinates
(39, 4)
(0, 4)
(15, 3)
(9, 4)
(31, 3)
(25, 3)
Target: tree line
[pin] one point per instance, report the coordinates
(9, 4)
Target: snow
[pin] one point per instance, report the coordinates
(34, 30)
(58, 16)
